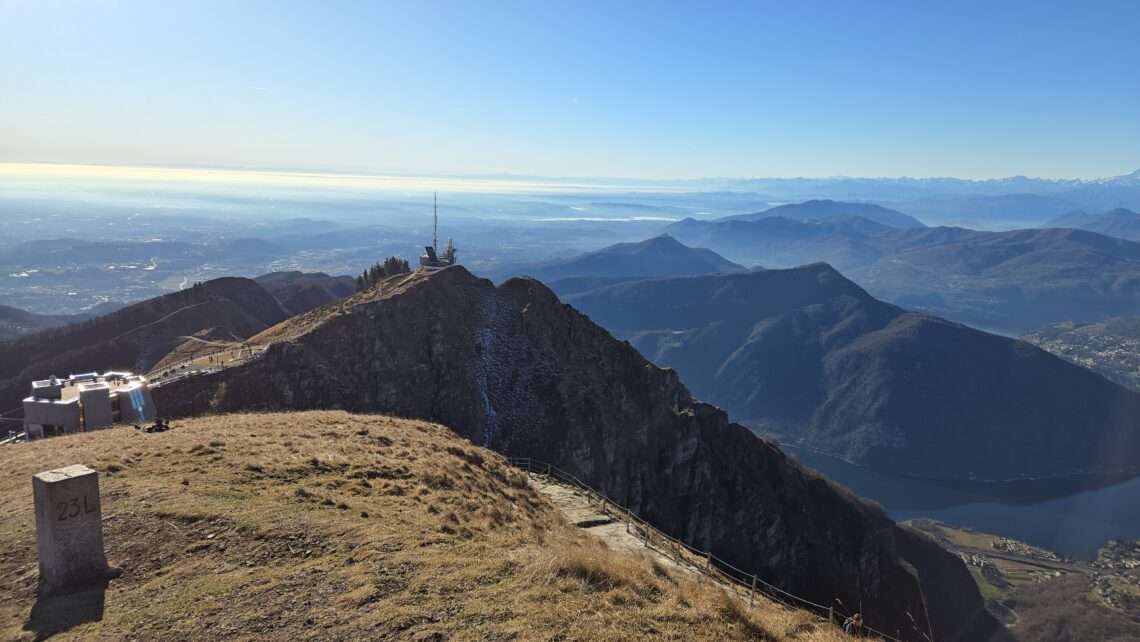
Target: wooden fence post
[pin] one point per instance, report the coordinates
(708, 560)
(752, 593)
(831, 614)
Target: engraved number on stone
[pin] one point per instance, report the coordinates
(69, 510)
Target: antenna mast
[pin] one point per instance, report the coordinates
(435, 221)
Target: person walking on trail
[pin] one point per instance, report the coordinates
(853, 625)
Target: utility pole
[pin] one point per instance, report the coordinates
(435, 221)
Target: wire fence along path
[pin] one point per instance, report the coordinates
(743, 583)
(186, 369)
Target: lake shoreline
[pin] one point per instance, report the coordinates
(1072, 515)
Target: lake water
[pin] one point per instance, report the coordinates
(1074, 524)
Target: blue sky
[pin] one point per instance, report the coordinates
(658, 90)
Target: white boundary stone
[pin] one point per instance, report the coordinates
(69, 529)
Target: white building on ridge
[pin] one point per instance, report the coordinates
(86, 402)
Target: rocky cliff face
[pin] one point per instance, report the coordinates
(514, 369)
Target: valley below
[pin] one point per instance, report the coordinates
(1064, 560)
(1034, 590)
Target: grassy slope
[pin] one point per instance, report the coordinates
(336, 526)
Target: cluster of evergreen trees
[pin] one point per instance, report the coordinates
(380, 271)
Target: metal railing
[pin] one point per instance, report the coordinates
(187, 369)
(741, 582)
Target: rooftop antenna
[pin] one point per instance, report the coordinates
(435, 221)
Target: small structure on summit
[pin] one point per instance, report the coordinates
(431, 259)
(86, 402)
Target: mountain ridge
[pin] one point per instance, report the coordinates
(826, 209)
(808, 355)
(514, 369)
(16, 322)
(1119, 223)
(1015, 280)
(656, 256)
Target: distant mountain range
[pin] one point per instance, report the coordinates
(659, 256)
(776, 241)
(1014, 281)
(514, 369)
(1120, 222)
(828, 210)
(1003, 211)
(906, 187)
(1004, 203)
(811, 357)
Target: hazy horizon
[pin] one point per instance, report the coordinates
(495, 182)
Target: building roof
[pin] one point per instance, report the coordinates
(48, 400)
(64, 389)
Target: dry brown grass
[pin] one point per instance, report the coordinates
(326, 525)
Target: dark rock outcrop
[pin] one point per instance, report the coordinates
(514, 369)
